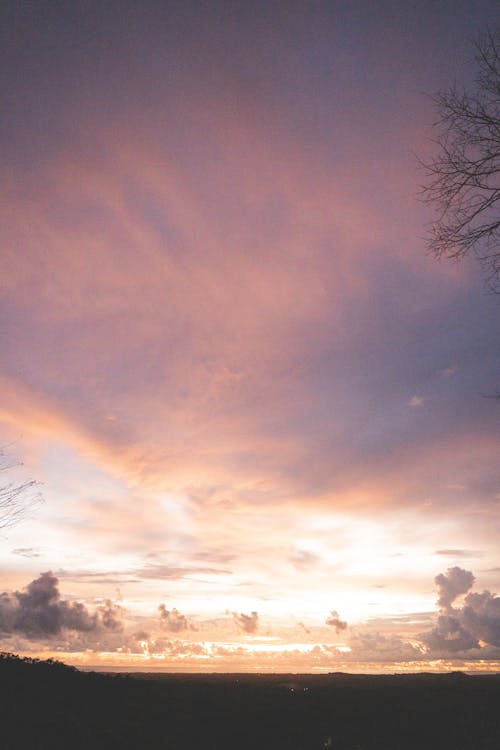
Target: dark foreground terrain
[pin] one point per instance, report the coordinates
(49, 706)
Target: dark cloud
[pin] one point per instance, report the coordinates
(452, 584)
(247, 623)
(111, 616)
(138, 642)
(334, 621)
(480, 615)
(173, 621)
(8, 605)
(474, 625)
(382, 647)
(141, 635)
(39, 611)
(449, 636)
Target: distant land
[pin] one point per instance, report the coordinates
(47, 705)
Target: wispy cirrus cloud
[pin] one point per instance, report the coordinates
(29, 552)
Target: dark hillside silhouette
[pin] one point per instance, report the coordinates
(49, 706)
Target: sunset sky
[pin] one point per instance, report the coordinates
(255, 405)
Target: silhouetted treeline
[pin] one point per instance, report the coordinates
(50, 706)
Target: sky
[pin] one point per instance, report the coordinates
(256, 407)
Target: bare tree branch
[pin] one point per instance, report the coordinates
(463, 179)
(16, 499)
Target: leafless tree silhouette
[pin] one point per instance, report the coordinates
(16, 498)
(463, 179)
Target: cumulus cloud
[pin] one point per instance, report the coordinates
(334, 621)
(111, 616)
(449, 636)
(383, 647)
(452, 584)
(39, 611)
(138, 642)
(146, 643)
(247, 623)
(173, 621)
(181, 648)
(474, 625)
(481, 616)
